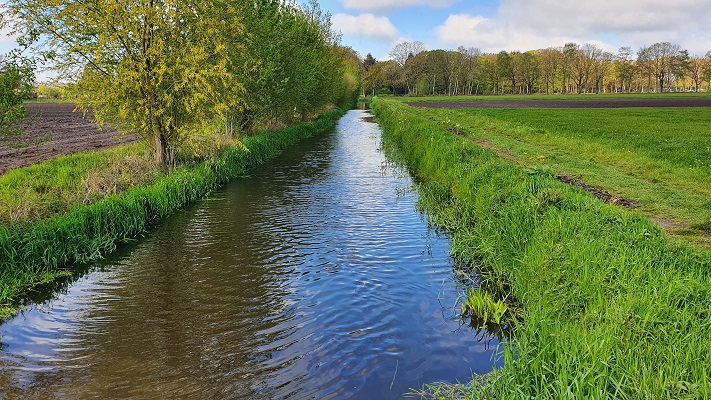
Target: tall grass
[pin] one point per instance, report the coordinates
(35, 252)
(610, 308)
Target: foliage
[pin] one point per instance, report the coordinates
(610, 307)
(480, 304)
(168, 70)
(155, 68)
(573, 68)
(16, 78)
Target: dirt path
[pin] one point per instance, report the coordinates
(573, 103)
(53, 130)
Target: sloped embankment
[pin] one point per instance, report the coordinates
(37, 252)
(610, 308)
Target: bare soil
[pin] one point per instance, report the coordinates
(53, 130)
(585, 103)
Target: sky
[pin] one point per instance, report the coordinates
(375, 26)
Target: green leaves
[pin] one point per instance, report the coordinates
(16, 78)
(165, 69)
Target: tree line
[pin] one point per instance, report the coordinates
(573, 68)
(166, 68)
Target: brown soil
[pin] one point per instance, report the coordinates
(52, 130)
(586, 103)
(600, 194)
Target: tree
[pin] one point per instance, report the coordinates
(706, 73)
(16, 78)
(375, 78)
(570, 53)
(152, 67)
(550, 62)
(625, 68)
(601, 63)
(291, 62)
(658, 60)
(530, 70)
(697, 65)
(470, 68)
(680, 68)
(403, 50)
(368, 62)
(504, 69)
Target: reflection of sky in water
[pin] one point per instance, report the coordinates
(316, 277)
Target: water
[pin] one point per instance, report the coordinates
(314, 278)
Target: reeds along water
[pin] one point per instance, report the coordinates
(32, 253)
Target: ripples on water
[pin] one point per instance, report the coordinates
(315, 278)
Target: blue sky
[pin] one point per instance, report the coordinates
(375, 26)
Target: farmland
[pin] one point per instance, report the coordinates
(51, 130)
(657, 158)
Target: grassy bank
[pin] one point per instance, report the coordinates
(658, 158)
(34, 250)
(608, 306)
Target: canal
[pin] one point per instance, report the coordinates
(315, 277)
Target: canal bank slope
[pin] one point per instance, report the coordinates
(38, 252)
(608, 306)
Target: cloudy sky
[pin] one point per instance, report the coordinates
(374, 26)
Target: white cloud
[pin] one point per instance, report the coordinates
(365, 25)
(602, 16)
(533, 24)
(491, 35)
(383, 5)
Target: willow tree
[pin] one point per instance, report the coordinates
(153, 67)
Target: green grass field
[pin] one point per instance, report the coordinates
(607, 307)
(659, 158)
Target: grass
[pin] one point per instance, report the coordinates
(41, 246)
(658, 157)
(56, 186)
(609, 307)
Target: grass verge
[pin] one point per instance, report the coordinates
(609, 306)
(36, 251)
(658, 158)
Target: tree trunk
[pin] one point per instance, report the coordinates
(160, 148)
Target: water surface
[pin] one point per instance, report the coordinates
(313, 278)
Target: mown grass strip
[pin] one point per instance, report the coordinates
(35, 252)
(659, 158)
(610, 307)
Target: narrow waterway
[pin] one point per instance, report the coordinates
(313, 278)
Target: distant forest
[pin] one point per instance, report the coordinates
(573, 68)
